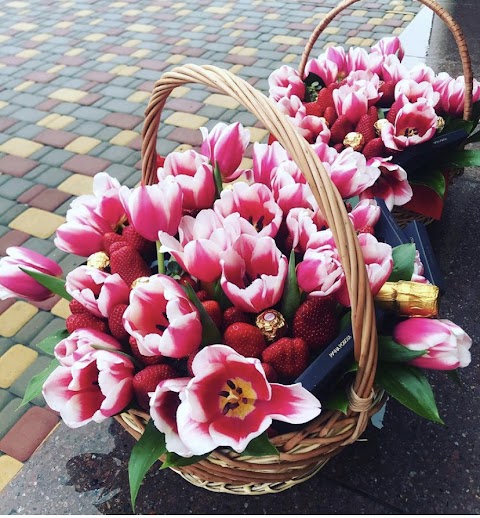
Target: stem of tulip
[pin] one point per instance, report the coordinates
(160, 259)
(217, 176)
(116, 351)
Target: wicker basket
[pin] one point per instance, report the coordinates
(402, 214)
(303, 452)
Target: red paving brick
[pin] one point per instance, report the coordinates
(49, 199)
(12, 238)
(121, 120)
(85, 164)
(28, 195)
(55, 138)
(16, 165)
(28, 432)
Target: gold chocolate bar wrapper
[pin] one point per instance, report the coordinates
(409, 299)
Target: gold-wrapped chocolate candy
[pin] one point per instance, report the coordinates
(272, 324)
(140, 280)
(409, 299)
(354, 140)
(379, 125)
(99, 260)
(440, 124)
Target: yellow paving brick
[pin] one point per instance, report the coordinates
(198, 28)
(368, 42)
(95, 36)
(24, 26)
(140, 27)
(74, 52)
(17, 5)
(153, 8)
(180, 91)
(14, 363)
(178, 5)
(108, 56)
(175, 59)
(55, 69)
(141, 53)
(37, 222)
(257, 134)
(24, 86)
(407, 17)
(131, 12)
(184, 12)
(272, 16)
(329, 44)
(218, 10)
(83, 145)
(331, 30)
(124, 137)
(3, 104)
(289, 58)
(96, 21)
(4, 37)
(61, 309)
(77, 184)
(131, 43)
(359, 12)
(243, 51)
(42, 37)
(236, 34)
(186, 120)
(20, 147)
(124, 70)
(388, 16)
(375, 21)
(222, 100)
(69, 95)
(83, 12)
(228, 25)
(28, 53)
(287, 40)
(235, 69)
(118, 4)
(56, 121)
(240, 19)
(138, 97)
(15, 317)
(185, 41)
(397, 31)
(183, 147)
(354, 40)
(9, 467)
(63, 25)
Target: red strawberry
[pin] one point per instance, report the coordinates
(147, 380)
(85, 321)
(365, 127)
(316, 322)
(246, 339)
(339, 147)
(212, 307)
(186, 278)
(109, 238)
(372, 111)
(270, 373)
(333, 86)
(76, 307)
(233, 315)
(117, 245)
(330, 116)
(392, 112)
(375, 147)
(366, 229)
(133, 238)
(324, 100)
(388, 91)
(190, 359)
(313, 109)
(115, 322)
(202, 295)
(147, 360)
(288, 356)
(340, 128)
(129, 264)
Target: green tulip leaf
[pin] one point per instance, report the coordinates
(465, 158)
(210, 333)
(432, 178)
(391, 351)
(47, 345)
(291, 299)
(403, 261)
(337, 401)
(35, 385)
(54, 284)
(260, 447)
(173, 460)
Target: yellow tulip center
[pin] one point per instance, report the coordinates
(237, 398)
(410, 132)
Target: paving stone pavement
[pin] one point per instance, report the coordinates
(76, 77)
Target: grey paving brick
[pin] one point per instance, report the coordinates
(87, 129)
(53, 177)
(20, 386)
(120, 172)
(12, 213)
(120, 106)
(66, 108)
(11, 413)
(5, 204)
(89, 113)
(56, 157)
(116, 154)
(5, 398)
(12, 188)
(29, 331)
(29, 131)
(5, 344)
(54, 325)
(70, 262)
(29, 114)
(42, 246)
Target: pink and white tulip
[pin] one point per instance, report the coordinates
(365, 213)
(90, 217)
(153, 208)
(350, 102)
(357, 59)
(415, 123)
(225, 146)
(389, 46)
(365, 82)
(162, 319)
(97, 386)
(194, 175)
(285, 82)
(95, 290)
(15, 283)
(80, 342)
(302, 224)
(393, 70)
(253, 273)
(320, 273)
(325, 68)
(452, 93)
(447, 345)
(413, 91)
(266, 158)
(309, 126)
(229, 402)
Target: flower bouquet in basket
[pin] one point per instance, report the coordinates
(367, 106)
(209, 294)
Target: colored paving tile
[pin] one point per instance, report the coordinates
(75, 84)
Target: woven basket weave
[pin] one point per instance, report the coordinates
(303, 452)
(402, 215)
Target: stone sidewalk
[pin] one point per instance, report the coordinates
(76, 77)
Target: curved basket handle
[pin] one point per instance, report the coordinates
(442, 13)
(326, 194)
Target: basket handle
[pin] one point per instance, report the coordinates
(325, 192)
(442, 13)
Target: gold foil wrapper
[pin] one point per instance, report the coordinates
(99, 260)
(440, 124)
(272, 324)
(409, 299)
(140, 280)
(354, 140)
(378, 125)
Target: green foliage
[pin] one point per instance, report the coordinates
(35, 385)
(54, 284)
(403, 261)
